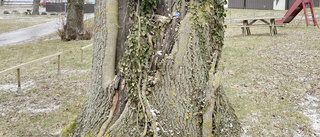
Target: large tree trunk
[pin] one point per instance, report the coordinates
(35, 10)
(74, 29)
(167, 81)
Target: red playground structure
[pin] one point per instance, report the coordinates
(294, 10)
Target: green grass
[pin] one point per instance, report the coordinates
(268, 78)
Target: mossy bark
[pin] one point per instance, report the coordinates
(174, 91)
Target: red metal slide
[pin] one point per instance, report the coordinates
(294, 10)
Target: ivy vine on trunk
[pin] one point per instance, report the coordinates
(156, 71)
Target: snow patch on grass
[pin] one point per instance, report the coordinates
(39, 110)
(25, 86)
(75, 71)
(311, 105)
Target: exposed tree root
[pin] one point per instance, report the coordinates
(113, 107)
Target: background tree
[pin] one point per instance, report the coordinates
(74, 28)
(156, 72)
(35, 10)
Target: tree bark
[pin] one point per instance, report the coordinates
(35, 10)
(124, 22)
(97, 108)
(74, 29)
(168, 77)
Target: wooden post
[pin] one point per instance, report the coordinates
(272, 27)
(18, 67)
(81, 49)
(243, 31)
(19, 80)
(248, 29)
(81, 56)
(59, 67)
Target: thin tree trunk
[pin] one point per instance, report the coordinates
(35, 10)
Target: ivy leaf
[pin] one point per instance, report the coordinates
(162, 28)
(154, 40)
(143, 33)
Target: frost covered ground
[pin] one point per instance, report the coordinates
(274, 82)
(47, 102)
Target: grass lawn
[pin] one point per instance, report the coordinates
(274, 82)
(47, 101)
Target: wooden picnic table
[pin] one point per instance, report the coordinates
(262, 21)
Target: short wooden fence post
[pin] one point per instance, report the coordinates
(18, 67)
(59, 64)
(81, 56)
(81, 49)
(19, 79)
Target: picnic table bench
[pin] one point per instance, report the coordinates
(266, 22)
